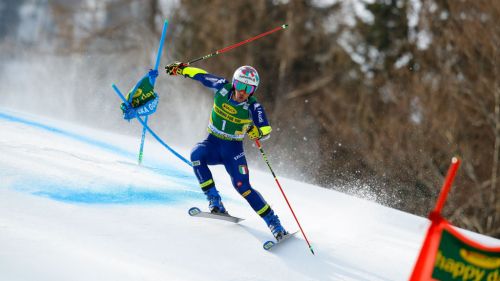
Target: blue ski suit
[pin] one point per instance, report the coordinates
(220, 148)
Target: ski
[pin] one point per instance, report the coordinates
(196, 212)
(268, 245)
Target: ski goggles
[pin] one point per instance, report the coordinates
(240, 86)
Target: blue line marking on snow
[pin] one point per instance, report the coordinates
(66, 133)
(185, 189)
(104, 193)
(124, 197)
(164, 169)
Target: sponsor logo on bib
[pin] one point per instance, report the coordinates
(229, 108)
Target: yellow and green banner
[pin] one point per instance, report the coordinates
(448, 255)
(459, 258)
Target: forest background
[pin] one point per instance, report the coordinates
(369, 97)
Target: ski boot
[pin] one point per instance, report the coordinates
(214, 202)
(275, 226)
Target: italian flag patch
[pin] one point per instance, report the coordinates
(243, 169)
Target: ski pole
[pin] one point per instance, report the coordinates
(282, 192)
(158, 56)
(223, 50)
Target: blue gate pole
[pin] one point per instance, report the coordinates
(158, 57)
(143, 137)
(162, 39)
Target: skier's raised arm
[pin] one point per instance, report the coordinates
(208, 80)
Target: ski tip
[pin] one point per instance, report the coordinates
(194, 211)
(285, 26)
(268, 245)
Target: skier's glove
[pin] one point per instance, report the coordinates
(175, 68)
(254, 133)
(262, 133)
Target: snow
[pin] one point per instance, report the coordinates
(74, 205)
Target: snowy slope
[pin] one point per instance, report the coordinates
(75, 206)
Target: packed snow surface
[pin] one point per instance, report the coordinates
(74, 205)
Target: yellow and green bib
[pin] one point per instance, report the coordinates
(229, 121)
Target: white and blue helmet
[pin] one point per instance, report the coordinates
(246, 78)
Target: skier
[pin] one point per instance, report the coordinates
(235, 113)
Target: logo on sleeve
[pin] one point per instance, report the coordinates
(223, 92)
